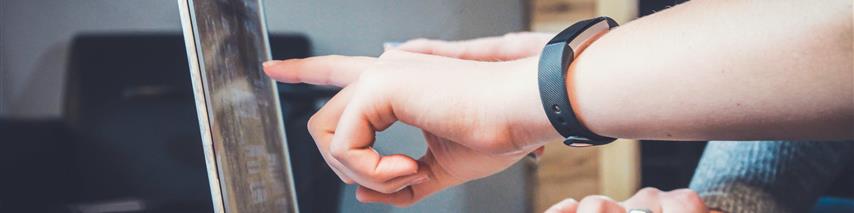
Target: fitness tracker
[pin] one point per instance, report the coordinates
(554, 62)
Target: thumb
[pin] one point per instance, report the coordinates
(322, 70)
(438, 181)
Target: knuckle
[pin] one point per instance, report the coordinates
(370, 76)
(648, 192)
(312, 124)
(594, 203)
(373, 80)
(497, 143)
(690, 200)
(685, 194)
(337, 151)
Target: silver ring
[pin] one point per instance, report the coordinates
(640, 211)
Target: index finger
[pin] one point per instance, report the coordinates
(368, 112)
(330, 70)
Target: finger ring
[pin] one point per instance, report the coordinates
(640, 211)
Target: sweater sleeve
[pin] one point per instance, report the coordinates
(768, 176)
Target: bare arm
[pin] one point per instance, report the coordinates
(702, 70)
(722, 70)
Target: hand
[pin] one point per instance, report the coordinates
(511, 46)
(478, 118)
(676, 201)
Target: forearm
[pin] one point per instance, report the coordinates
(722, 70)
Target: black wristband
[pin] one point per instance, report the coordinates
(554, 63)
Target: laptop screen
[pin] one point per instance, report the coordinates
(239, 114)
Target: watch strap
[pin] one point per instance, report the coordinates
(554, 62)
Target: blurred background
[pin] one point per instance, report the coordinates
(97, 114)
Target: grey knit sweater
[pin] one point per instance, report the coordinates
(769, 176)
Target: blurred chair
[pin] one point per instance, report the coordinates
(130, 137)
(34, 165)
(130, 105)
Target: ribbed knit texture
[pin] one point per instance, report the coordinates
(768, 176)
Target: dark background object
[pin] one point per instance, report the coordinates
(669, 165)
(130, 133)
(664, 164)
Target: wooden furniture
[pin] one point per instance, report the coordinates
(563, 172)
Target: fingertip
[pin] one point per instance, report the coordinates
(363, 196)
(398, 165)
(267, 65)
(598, 203)
(565, 206)
(402, 198)
(270, 63)
(275, 70)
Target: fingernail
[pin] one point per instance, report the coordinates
(271, 63)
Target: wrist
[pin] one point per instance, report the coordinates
(528, 118)
(588, 85)
(572, 82)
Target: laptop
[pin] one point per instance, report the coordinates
(238, 110)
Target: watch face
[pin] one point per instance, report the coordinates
(587, 36)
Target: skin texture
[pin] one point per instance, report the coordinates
(723, 70)
(749, 70)
(676, 201)
(482, 140)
